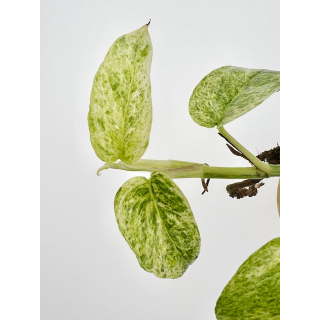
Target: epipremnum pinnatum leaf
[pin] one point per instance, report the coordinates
(254, 291)
(120, 113)
(156, 220)
(229, 92)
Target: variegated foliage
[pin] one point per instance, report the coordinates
(229, 92)
(156, 220)
(120, 105)
(254, 291)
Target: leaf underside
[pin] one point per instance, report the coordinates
(156, 220)
(229, 92)
(120, 113)
(254, 291)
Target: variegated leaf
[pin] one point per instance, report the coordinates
(120, 105)
(229, 92)
(156, 220)
(254, 291)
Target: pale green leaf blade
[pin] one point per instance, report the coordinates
(120, 113)
(253, 293)
(229, 92)
(156, 220)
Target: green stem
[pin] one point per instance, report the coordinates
(181, 169)
(265, 167)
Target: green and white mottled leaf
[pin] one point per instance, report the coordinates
(120, 113)
(254, 291)
(229, 92)
(156, 220)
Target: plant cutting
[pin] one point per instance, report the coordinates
(153, 214)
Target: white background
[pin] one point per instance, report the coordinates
(87, 269)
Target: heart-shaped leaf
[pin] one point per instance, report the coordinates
(156, 220)
(254, 291)
(229, 92)
(120, 105)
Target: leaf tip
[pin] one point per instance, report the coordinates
(148, 23)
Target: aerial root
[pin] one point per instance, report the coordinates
(105, 166)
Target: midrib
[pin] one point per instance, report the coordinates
(240, 91)
(163, 225)
(126, 108)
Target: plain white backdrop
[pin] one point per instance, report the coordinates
(87, 269)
